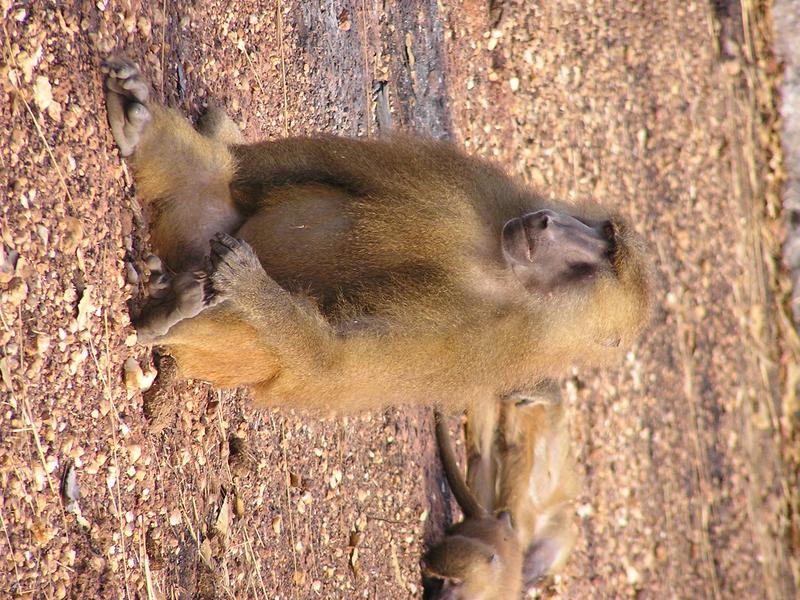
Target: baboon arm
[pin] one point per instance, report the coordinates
(321, 364)
(355, 365)
(296, 330)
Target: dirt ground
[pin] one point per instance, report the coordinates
(665, 110)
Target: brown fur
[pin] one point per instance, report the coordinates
(482, 455)
(536, 474)
(480, 558)
(385, 280)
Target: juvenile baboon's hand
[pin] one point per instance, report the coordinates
(234, 266)
(189, 291)
(126, 95)
(192, 293)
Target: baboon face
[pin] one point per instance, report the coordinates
(480, 559)
(548, 250)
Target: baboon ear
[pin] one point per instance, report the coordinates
(505, 517)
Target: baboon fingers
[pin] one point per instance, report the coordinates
(137, 87)
(134, 89)
(232, 262)
(211, 295)
(115, 85)
(128, 82)
(159, 283)
(237, 254)
(224, 242)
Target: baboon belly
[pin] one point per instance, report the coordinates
(303, 234)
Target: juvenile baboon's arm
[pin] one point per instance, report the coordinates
(537, 481)
(529, 418)
(374, 365)
(482, 425)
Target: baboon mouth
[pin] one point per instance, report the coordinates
(612, 236)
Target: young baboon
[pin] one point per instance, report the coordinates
(537, 482)
(480, 557)
(351, 273)
(521, 465)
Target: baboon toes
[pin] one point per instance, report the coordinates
(126, 95)
(192, 293)
(124, 77)
(159, 283)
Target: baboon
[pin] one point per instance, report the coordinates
(528, 478)
(537, 482)
(480, 557)
(347, 274)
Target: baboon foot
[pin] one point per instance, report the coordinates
(126, 97)
(172, 299)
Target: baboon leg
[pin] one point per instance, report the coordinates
(186, 176)
(182, 173)
(481, 461)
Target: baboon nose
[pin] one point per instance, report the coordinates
(542, 219)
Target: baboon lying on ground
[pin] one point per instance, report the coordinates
(529, 481)
(537, 481)
(480, 558)
(333, 273)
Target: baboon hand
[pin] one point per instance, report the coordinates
(193, 293)
(234, 265)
